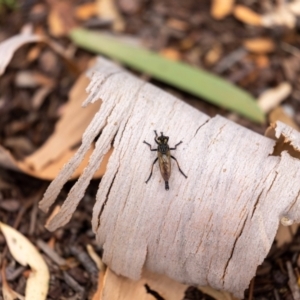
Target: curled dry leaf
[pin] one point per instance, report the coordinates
(284, 14)
(274, 96)
(60, 17)
(107, 9)
(246, 15)
(259, 45)
(85, 11)
(46, 162)
(279, 114)
(9, 47)
(221, 8)
(112, 286)
(26, 254)
(281, 16)
(223, 216)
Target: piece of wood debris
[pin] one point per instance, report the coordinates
(224, 215)
(274, 96)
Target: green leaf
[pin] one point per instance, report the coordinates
(180, 75)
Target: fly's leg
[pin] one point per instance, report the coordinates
(155, 139)
(155, 160)
(176, 146)
(178, 166)
(150, 146)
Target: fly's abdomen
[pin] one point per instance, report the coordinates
(165, 166)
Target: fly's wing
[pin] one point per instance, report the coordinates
(165, 165)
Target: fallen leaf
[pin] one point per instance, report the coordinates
(283, 14)
(107, 9)
(274, 96)
(259, 45)
(280, 16)
(170, 53)
(279, 114)
(85, 11)
(221, 8)
(261, 60)
(190, 79)
(95, 257)
(285, 234)
(113, 286)
(213, 55)
(60, 17)
(9, 47)
(26, 254)
(68, 129)
(246, 15)
(46, 162)
(177, 24)
(32, 79)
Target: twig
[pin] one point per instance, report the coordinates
(33, 217)
(84, 259)
(73, 283)
(229, 60)
(52, 254)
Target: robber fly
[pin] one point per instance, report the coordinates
(164, 157)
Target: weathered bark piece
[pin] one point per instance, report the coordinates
(213, 228)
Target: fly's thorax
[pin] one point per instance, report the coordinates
(163, 148)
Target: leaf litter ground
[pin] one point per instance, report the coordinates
(178, 30)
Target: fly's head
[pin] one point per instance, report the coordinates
(162, 139)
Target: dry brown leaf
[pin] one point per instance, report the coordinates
(280, 16)
(9, 47)
(261, 61)
(171, 54)
(121, 288)
(221, 8)
(46, 162)
(283, 14)
(259, 45)
(60, 17)
(285, 234)
(278, 114)
(112, 286)
(34, 53)
(26, 254)
(246, 15)
(86, 11)
(274, 96)
(95, 257)
(33, 79)
(107, 9)
(213, 55)
(177, 24)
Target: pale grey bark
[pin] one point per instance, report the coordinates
(213, 228)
